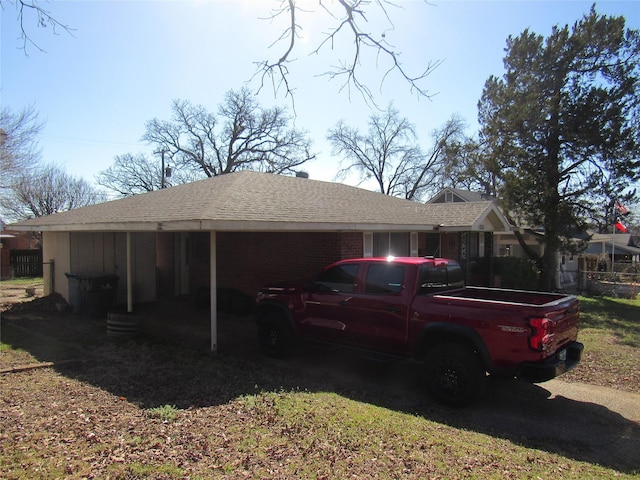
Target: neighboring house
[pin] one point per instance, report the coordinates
(622, 247)
(455, 195)
(568, 264)
(504, 242)
(599, 275)
(20, 253)
(245, 229)
(473, 238)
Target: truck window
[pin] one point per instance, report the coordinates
(384, 278)
(341, 278)
(435, 278)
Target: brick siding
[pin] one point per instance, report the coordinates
(248, 260)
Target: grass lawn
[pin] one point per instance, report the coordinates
(610, 331)
(147, 409)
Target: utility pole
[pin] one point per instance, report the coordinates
(166, 171)
(162, 185)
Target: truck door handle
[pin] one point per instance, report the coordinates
(344, 303)
(392, 309)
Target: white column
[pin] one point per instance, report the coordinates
(213, 292)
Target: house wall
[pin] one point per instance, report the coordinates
(5, 263)
(55, 246)
(246, 261)
(20, 240)
(165, 263)
(507, 245)
(199, 260)
(450, 245)
(106, 253)
(429, 244)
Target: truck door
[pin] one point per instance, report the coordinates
(327, 304)
(379, 312)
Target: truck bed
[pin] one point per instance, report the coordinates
(505, 296)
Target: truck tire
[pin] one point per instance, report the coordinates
(454, 374)
(275, 335)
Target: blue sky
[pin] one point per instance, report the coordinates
(127, 60)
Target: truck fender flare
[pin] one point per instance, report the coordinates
(440, 332)
(273, 306)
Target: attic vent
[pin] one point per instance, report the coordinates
(302, 175)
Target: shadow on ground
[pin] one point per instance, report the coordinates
(170, 365)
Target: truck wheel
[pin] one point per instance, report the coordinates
(454, 375)
(275, 336)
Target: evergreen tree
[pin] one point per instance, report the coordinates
(562, 126)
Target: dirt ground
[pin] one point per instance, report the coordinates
(589, 423)
(10, 294)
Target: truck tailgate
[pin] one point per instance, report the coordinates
(565, 322)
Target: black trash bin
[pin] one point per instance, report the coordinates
(92, 294)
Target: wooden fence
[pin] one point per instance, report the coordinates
(26, 263)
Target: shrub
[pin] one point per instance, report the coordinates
(517, 273)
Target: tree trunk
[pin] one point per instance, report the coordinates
(548, 277)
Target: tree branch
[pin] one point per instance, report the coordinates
(351, 13)
(43, 19)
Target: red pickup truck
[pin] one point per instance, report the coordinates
(418, 308)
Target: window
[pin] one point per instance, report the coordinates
(341, 278)
(434, 278)
(391, 243)
(384, 278)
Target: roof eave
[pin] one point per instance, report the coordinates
(226, 225)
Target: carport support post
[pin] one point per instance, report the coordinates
(129, 275)
(213, 292)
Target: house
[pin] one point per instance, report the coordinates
(245, 229)
(20, 254)
(506, 244)
(454, 195)
(622, 247)
(474, 237)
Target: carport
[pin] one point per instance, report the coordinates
(121, 236)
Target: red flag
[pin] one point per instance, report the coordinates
(620, 226)
(621, 208)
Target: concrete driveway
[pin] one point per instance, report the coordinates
(626, 404)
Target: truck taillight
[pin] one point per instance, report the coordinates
(541, 333)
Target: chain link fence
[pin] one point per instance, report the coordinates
(622, 281)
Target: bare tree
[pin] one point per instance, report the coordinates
(386, 153)
(241, 136)
(19, 151)
(47, 190)
(349, 18)
(131, 174)
(430, 175)
(389, 154)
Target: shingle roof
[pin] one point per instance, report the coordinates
(623, 242)
(464, 195)
(254, 201)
